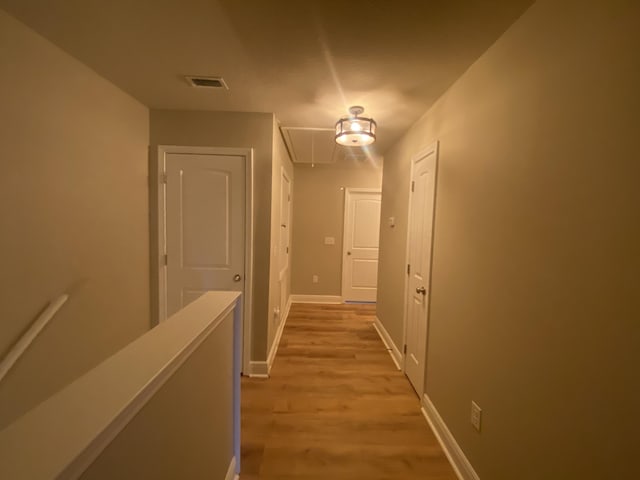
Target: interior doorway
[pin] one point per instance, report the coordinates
(204, 228)
(360, 244)
(419, 248)
(285, 240)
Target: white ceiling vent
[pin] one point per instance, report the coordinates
(207, 82)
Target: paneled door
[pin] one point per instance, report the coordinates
(285, 222)
(360, 245)
(420, 239)
(205, 225)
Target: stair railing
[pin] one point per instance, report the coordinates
(30, 335)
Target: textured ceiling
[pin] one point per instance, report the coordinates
(306, 61)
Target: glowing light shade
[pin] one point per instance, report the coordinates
(354, 130)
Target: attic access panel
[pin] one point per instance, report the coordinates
(316, 146)
(310, 145)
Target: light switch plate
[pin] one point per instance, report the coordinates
(329, 240)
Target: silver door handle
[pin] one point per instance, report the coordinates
(421, 290)
(237, 277)
(348, 253)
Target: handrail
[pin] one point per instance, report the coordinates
(30, 335)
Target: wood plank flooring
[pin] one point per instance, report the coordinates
(335, 407)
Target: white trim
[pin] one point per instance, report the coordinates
(287, 309)
(282, 271)
(30, 335)
(247, 312)
(458, 460)
(276, 341)
(231, 471)
(393, 350)
(237, 385)
(258, 369)
(161, 235)
(433, 148)
(333, 299)
(247, 318)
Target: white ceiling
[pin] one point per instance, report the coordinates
(305, 60)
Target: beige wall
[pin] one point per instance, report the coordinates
(535, 292)
(281, 162)
(73, 208)
(240, 130)
(318, 213)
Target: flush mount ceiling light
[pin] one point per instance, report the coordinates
(355, 131)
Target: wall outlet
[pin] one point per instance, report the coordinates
(314, 279)
(476, 415)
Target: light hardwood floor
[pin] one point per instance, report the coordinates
(335, 407)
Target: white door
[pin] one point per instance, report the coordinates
(360, 245)
(285, 241)
(285, 222)
(420, 241)
(205, 219)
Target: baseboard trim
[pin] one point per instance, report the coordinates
(461, 465)
(231, 471)
(333, 299)
(258, 369)
(276, 341)
(287, 309)
(396, 356)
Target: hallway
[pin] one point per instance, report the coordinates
(335, 406)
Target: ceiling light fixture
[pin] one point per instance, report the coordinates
(355, 131)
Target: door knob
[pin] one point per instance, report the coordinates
(348, 253)
(421, 290)
(237, 277)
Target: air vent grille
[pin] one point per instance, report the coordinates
(207, 82)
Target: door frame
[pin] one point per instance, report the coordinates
(434, 148)
(282, 271)
(348, 191)
(161, 235)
